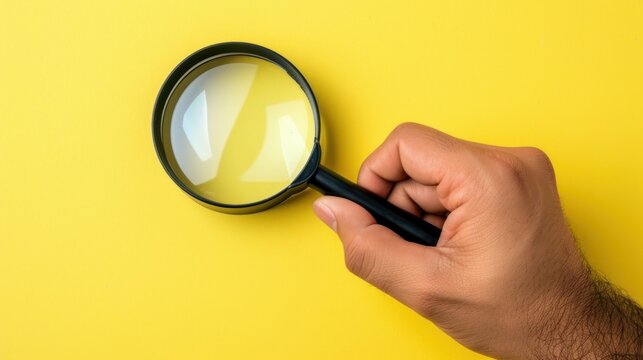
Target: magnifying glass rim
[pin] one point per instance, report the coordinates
(209, 53)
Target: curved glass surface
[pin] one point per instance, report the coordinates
(238, 129)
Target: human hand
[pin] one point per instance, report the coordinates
(506, 278)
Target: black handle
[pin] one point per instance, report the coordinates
(405, 224)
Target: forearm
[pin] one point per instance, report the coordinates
(593, 321)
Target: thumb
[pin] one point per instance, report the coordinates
(375, 253)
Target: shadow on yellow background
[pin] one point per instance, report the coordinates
(102, 256)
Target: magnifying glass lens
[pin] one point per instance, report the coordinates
(238, 129)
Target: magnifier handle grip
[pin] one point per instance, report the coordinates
(405, 224)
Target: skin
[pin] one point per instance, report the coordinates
(506, 278)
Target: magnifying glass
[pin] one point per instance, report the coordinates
(237, 127)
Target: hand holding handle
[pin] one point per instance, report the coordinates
(405, 224)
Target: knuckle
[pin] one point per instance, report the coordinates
(509, 167)
(439, 139)
(542, 162)
(402, 131)
(536, 153)
(406, 127)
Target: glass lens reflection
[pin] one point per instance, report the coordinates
(238, 129)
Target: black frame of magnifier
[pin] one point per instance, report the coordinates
(190, 64)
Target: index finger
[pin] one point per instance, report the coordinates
(412, 151)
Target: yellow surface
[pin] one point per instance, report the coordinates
(101, 255)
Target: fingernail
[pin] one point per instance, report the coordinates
(325, 214)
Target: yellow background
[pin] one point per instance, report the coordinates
(101, 255)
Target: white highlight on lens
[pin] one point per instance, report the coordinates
(204, 117)
(195, 127)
